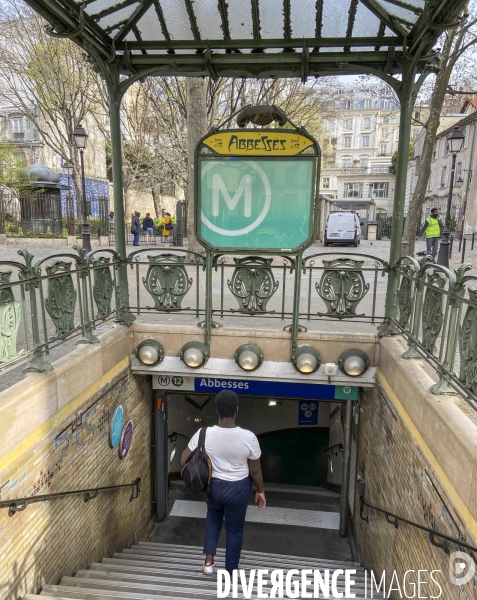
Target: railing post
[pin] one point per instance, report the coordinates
(407, 93)
(115, 96)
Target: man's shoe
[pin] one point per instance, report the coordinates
(208, 569)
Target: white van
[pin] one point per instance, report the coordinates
(343, 228)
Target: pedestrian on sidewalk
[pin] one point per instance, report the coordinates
(235, 456)
(135, 228)
(433, 227)
(168, 227)
(148, 227)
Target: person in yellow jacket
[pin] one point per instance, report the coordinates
(432, 226)
(167, 231)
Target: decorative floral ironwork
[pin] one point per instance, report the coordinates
(432, 311)
(9, 320)
(468, 345)
(253, 283)
(405, 298)
(103, 286)
(167, 283)
(342, 286)
(61, 300)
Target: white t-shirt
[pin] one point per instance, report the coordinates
(229, 449)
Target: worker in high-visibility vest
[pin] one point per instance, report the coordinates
(432, 226)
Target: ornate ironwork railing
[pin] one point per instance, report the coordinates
(46, 302)
(437, 315)
(51, 300)
(257, 286)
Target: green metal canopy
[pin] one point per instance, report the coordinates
(254, 38)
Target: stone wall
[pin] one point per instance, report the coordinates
(60, 444)
(405, 474)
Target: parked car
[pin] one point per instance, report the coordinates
(343, 228)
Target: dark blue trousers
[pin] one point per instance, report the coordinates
(227, 499)
(136, 239)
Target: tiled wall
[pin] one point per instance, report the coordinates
(400, 479)
(51, 539)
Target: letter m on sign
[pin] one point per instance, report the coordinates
(244, 187)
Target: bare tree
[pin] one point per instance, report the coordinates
(455, 44)
(47, 79)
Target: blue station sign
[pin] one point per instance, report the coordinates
(252, 387)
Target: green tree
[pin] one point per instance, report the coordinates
(13, 179)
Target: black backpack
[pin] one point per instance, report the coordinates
(197, 470)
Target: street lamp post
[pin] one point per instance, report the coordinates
(81, 139)
(68, 168)
(455, 141)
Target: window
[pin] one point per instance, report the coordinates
(445, 147)
(381, 169)
(353, 190)
(383, 149)
(326, 183)
(364, 160)
(331, 125)
(459, 173)
(367, 103)
(444, 177)
(348, 124)
(346, 161)
(378, 190)
(466, 133)
(17, 125)
(385, 120)
(365, 141)
(430, 183)
(349, 105)
(435, 152)
(384, 133)
(366, 123)
(347, 141)
(415, 134)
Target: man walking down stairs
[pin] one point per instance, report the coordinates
(156, 571)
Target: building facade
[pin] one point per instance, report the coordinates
(358, 153)
(464, 193)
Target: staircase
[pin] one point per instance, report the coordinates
(152, 571)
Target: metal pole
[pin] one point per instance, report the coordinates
(85, 233)
(344, 500)
(444, 250)
(115, 95)
(161, 460)
(406, 97)
(473, 238)
(463, 251)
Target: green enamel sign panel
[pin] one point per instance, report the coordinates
(256, 203)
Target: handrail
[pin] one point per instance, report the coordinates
(396, 519)
(13, 507)
(340, 449)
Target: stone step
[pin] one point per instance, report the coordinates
(60, 593)
(246, 558)
(245, 563)
(66, 593)
(186, 580)
(251, 553)
(113, 565)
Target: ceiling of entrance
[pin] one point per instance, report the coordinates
(253, 38)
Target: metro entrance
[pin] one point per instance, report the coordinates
(302, 439)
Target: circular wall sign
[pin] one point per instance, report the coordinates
(116, 426)
(126, 439)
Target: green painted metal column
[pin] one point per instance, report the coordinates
(115, 96)
(407, 97)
